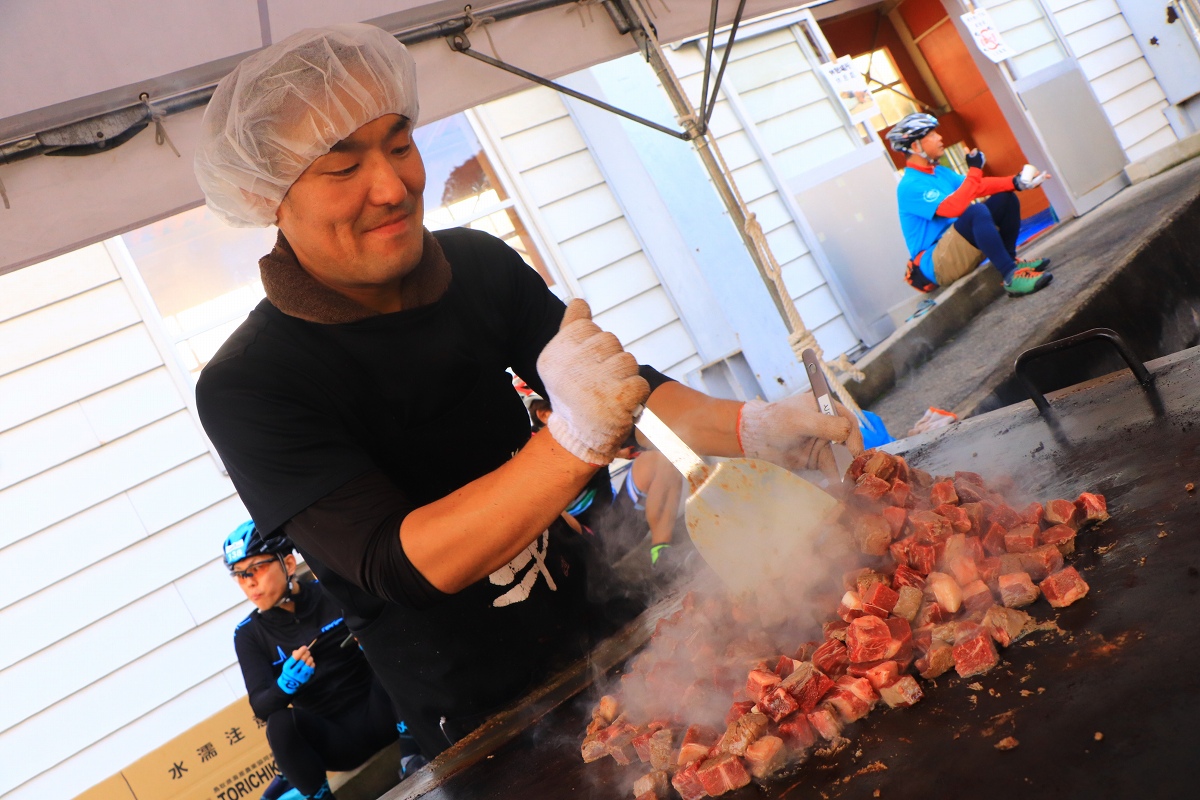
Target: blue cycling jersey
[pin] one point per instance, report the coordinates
(918, 195)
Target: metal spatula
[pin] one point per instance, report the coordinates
(750, 520)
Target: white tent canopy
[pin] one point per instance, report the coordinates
(68, 60)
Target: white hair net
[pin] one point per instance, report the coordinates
(286, 105)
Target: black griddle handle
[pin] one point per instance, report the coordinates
(1107, 334)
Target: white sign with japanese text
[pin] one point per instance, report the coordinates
(987, 35)
(851, 88)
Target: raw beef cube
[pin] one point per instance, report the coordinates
(900, 496)
(1012, 562)
(1061, 512)
(687, 782)
(989, 570)
(923, 558)
(860, 687)
(766, 756)
(697, 741)
(826, 723)
(1017, 590)
(759, 682)
(741, 732)
(908, 602)
(777, 704)
(903, 693)
(607, 708)
(871, 487)
(929, 527)
(1021, 539)
(808, 685)
(867, 639)
(977, 597)
(956, 546)
(956, 516)
(945, 590)
(884, 674)
(901, 646)
(849, 706)
(723, 774)
(975, 548)
(871, 533)
(784, 666)
(907, 576)
(943, 492)
(993, 540)
(1005, 625)
(968, 477)
(1041, 561)
(974, 513)
(968, 492)
(856, 466)
(929, 613)
(641, 744)
(939, 659)
(881, 464)
(836, 629)
(654, 784)
(896, 517)
(831, 658)
(883, 596)
(805, 651)
(593, 749)
(1033, 513)
(1004, 516)
(691, 753)
(661, 750)
(1064, 587)
(797, 733)
(1062, 537)
(738, 709)
(962, 569)
(1091, 508)
(975, 655)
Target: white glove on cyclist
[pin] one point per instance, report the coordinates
(1030, 177)
(593, 387)
(793, 432)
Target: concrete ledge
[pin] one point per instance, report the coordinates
(914, 342)
(1162, 160)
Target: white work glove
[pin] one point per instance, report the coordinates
(594, 387)
(1030, 177)
(793, 432)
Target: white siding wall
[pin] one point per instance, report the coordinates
(585, 227)
(1110, 57)
(116, 616)
(1108, 54)
(791, 127)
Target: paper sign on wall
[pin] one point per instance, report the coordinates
(851, 88)
(987, 35)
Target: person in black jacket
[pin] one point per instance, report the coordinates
(324, 707)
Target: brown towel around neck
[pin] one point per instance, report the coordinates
(296, 293)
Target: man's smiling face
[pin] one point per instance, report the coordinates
(354, 217)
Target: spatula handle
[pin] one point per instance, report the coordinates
(670, 445)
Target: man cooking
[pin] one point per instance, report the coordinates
(365, 408)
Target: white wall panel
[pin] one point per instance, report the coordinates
(544, 143)
(68, 727)
(599, 247)
(801, 276)
(58, 493)
(524, 110)
(668, 348)
(77, 373)
(44, 443)
(618, 282)
(185, 490)
(771, 212)
(638, 316)
(132, 404)
(54, 280)
(53, 329)
(562, 177)
(90, 654)
(581, 212)
(66, 548)
(59, 610)
(754, 181)
(109, 754)
(787, 244)
(210, 591)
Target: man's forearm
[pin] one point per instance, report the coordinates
(708, 425)
(469, 534)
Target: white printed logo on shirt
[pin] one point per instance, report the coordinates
(932, 195)
(533, 557)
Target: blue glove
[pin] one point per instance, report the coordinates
(295, 674)
(976, 158)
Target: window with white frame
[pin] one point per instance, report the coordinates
(202, 275)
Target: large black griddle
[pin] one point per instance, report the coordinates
(1124, 665)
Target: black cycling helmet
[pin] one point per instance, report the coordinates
(912, 128)
(246, 541)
